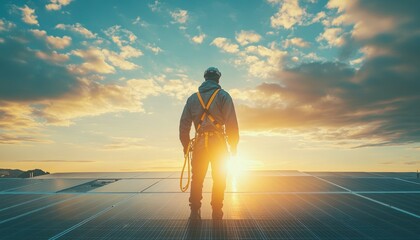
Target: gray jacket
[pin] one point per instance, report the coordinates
(221, 109)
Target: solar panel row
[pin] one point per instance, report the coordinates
(264, 205)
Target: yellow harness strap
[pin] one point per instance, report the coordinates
(206, 107)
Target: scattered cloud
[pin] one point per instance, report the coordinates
(95, 61)
(52, 57)
(77, 28)
(155, 49)
(139, 21)
(155, 7)
(55, 42)
(130, 52)
(225, 45)
(261, 61)
(299, 42)
(333, 36)
(180, 16)
(55, 5)
(319, 17)
(6, 25)
(199, 38)
(118, 60)
(28, 15)
(247, 37)
(289, 14)
(120, 36)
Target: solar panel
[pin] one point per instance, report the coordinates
(10, 184)
(258, 205)
(127, 185)
(374, 184)
(54, 218)
(50, 185)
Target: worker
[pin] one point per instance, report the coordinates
(212, 111)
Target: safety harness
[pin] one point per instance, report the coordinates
(190, 149)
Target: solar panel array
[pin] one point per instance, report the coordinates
(258, 205)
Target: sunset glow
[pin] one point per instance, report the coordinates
(320, 85)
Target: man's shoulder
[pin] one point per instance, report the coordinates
(224, 93)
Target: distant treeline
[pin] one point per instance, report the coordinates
(17, 173)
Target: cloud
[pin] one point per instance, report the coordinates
(333, 36)
(39, 88)
(55, 5)
(93, 99)
(103, 61)
(94, 62)
(225, 45)
(28, 75)
(118, 61)
(120, 36)
(124, 143)
(289, 14)
(55, 42)
(247, 37)
(52, 57)
(77, 28)
(180, 16)
(296, 42)
(318, 17)
(28, 15)
(370, 19)
(155, 7)
(412, 163)
(199, 38)
(262, 62)
(374, 105)
(139, 21)
(155, 49)
(6, 138)
(6, 25)
(16, 116)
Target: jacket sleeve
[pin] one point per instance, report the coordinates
(231, 123)
(185, 125)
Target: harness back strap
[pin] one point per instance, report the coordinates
(206, 110)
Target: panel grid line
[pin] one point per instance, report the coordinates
(370, 199)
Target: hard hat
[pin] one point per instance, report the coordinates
(212, 73)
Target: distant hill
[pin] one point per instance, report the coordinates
(17, 173)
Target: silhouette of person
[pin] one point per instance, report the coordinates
(212, 111)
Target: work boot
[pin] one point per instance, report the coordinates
(217, 214)
(195, 215)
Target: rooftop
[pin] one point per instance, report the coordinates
(258, 205)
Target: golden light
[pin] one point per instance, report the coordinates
(236, 166)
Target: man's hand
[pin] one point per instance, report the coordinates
(185, 150)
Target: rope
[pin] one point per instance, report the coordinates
(187, 160)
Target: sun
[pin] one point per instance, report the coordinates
(236, 166)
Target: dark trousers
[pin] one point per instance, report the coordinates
(215, 153)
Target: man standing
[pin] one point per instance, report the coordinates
(213, 114)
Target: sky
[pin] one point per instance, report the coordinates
(318, 85)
